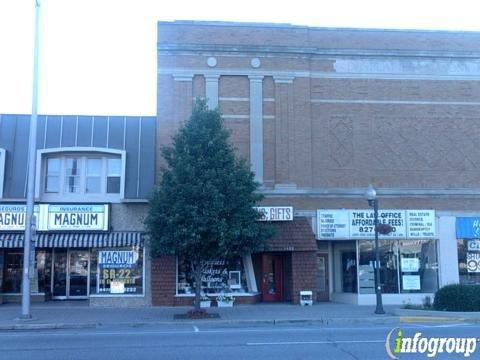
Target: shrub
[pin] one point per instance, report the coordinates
(457, 297)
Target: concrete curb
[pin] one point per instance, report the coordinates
(411, 315)
(321, 321)
(50, 326)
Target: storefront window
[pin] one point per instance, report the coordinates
(218, 276)
(117, 271)
(469, 261)
(12, 272)
(388, 266)
(412, 264)
(418, 266)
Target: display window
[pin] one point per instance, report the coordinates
(12, 260)
(406, 266)
(469, 261)
(218, 276)
(117, 271)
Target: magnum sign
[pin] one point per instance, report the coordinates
(13, 217)
(77, 217)
(80, 217)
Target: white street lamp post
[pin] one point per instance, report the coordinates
(30, 222)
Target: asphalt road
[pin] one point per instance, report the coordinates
(289, 341)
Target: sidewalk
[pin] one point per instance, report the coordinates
(56, 315)
(77, 314)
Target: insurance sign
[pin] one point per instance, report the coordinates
(77, 217)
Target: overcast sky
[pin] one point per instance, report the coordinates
(98, 56)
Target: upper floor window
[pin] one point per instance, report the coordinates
(82, 175)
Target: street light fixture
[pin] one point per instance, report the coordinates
(371, 196)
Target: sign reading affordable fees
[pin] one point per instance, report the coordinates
(359, 224)
(58, 217)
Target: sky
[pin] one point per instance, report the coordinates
(97, 57)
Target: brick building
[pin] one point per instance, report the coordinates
(320, 114)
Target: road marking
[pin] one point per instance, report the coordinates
(316, 342)
(196, 328)
(275, 329)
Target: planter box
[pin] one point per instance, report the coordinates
(205, 304)
(224, 304)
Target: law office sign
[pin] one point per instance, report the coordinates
(13, 216)
(360, 224)
(83, 217)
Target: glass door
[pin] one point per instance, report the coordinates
(323, 291)
(78, 270)
(59, 281)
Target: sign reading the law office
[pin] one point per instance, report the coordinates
(13, 216)
(58, 217)
(275, 213)
(359, 224)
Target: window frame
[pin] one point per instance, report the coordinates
(3, 155)
(83, 154)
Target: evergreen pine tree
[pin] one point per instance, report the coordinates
(203, 209)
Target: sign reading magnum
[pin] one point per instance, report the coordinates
(12, 217)
(113, 259)
(81, 217)
(77, 217)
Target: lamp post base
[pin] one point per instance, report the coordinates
(379, 311)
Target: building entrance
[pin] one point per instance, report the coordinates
(71, 271)
(272, 279)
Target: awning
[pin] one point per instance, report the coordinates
(75, 240)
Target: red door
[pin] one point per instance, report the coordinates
(272, 277)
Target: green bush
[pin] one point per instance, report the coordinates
(457, 297)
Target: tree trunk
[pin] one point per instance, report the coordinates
(198, 283)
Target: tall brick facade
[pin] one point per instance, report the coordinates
(340, 108)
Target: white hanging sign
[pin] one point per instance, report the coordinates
(77, 217)
(275, 213)
(359, 224)
(13, 216)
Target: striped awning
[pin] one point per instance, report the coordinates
(75, 240)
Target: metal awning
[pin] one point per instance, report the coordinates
(75, 240)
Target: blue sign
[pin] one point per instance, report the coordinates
(468, 227)
(117, 259)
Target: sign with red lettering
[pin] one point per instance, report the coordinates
(275, 213)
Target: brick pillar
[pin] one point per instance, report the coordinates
(284, 125)
(304, 270)
(256, 126)
(163, 281)
(174, 106)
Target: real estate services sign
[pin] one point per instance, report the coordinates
(359, 224)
